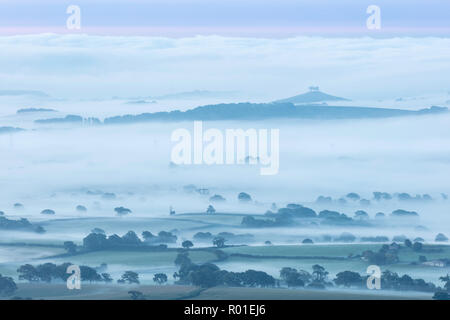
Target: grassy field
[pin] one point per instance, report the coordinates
(316, 250)
(288, 294)
(168, 292)
(274, 265)
(13, 253)
(99, 292)
(136, 258)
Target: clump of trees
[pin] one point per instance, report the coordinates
(81, 208)
(121, 211)
(99, 241)
(20, 225)
(129, 277)
(350, 279)
(375, 239)
(317, 279)
(7, 286)
(48, 211)
(160, 278)
(210, 210)
(203, 236)
(109, 196)
(294, 278)
(187, 244)
(387, 254)
(70, 247)
(441, 238)
(400, 213)
(217, 198)
(244, 197)
(378, 196)
(443, 293)
(18, 205)
(209, 275)
(297, 211)
(391, 280)
(136, 295)
(353, 196)
(219, 242)
(48, 272)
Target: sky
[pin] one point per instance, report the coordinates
(88, 66)
(156, 47)
(261, 18)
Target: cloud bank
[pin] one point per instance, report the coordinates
(80, 66)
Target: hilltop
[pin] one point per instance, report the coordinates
(313, 96)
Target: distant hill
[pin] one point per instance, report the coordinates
(69, 119)
(32, 110)
(311, 97)
(34, 93)
(261, 111)
(9, 130)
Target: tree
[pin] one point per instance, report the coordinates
(107, 277)
(441, 295)
(446, 280)
(98, 230)
(253, 278)
(147, 235)
(348, 279)
(28, 272)
(48, 211)
(408, 243)
(219, 242)
(90, 274)
(361, 215)
(166, 237)
(441, 238)
(136, 295)
(417, 246)
(131, 238)
(217, 198)
(210, 210)
(129, 277)
(160, 278)
(205, 275)
(122, 211)
(422, 259)
(7, 286)
(187, 244)
(353, 196)
(95, 241)
(70, 247)
(244, 197)
(81, 208)
(292, 277)
(182, 258)
(319, 273)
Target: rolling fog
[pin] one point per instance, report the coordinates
(61, 166)
(54, 166)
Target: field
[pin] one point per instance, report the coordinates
(334, 257)
(120, 292)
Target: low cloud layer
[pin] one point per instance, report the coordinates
(81, 66)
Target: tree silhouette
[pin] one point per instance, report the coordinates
(187, 244)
